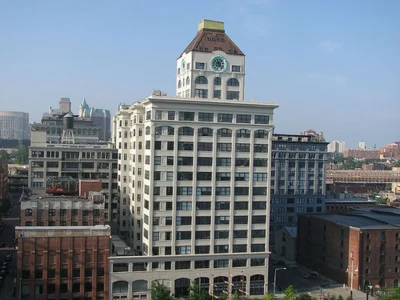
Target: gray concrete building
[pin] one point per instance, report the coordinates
(14, 125)
(298, 178)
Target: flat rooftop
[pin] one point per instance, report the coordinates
(39, 194)
(365, 218)
(54, 231)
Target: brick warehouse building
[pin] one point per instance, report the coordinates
(40, 209)
(366, 238)
(69, 262)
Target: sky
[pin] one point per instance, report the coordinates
(332, 66)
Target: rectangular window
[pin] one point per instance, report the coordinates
(201, 93)
(217, 94)
(184, 205)
(221, 249)
(203, 191)
(204, 176)
(186, 116)
(184, 191)
(241, 176)
(185, 146)
(227, 118)
(171, 115)
(240, 147)
(241, 191)
(235, 68)
(158, 115)
(232, 95)
(260, 119)
(222, 205)
(185, 161)
(224, 147)
(240, 118)
(222, 220)
(200, 65)
(201, 146)
(203, 161)
(223, 176)
(148, 115)
(223, 191)
(263, 148)
(223, 162)
(207, 117)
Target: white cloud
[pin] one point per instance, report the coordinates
(329, 46)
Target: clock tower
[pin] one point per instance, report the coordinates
(211, 66)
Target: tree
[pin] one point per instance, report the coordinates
(21, 155)
(235, 296)
(269, 296)
(223, 296)
(3, 155)
(196, 293)
(340, 297)
(332, 297)
(289, 293)
(159, 291)
(304, 297)
(392, 296)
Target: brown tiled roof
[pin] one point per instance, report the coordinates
(209, 40)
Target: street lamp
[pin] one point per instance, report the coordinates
(275, 277)
(199, 282)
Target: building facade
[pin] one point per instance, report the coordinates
(14, 125)
(298, 178)
(80, 162)
(360, 248)
(190, 170)
(361, 153)
(63, 262)
(336, 147)
(41, 209)
(391, 151)
(3, 179)
(99, 117)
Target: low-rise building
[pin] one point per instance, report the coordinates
(391, 151)
(360, 249)
(286, 242)
(361, 153)
(63, 262)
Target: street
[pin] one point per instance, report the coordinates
(7, 237)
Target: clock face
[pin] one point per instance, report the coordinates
(219, 64)
(183, 66)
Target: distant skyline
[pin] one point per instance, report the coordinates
(332, 66)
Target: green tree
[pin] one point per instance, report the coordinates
(21, 155)
(195, 293)
(289, 293)
(159, 291)
(332, 297)
(340, 297)
(235, 296)
(304, 297)
(223, 296)
(392, 296)
(397, 164)
(269, 296)
(3, 155)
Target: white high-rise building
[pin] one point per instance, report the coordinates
(336, 147)
(361, 145)
(194, 179)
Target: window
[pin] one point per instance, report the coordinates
(261, 148)
(259, 176)
(259, 119)
(203, 191)
(184, 205)
(233, 82)
(186, 116)
(242, 147)
(201, 93)
(227, 118)
(217, 81)
(224, 147)
(259, 190)
(202, 235)
(200, 65)
(222, 205)
(186, 146)
(232, 95)
(235, 68)
(242, 162)
(222, 220)
(203, 220)
(201, 80)
(223, 191)
(185, 176)
(186, 131)
(204, 176)
(185, 161)
(28, 212)
(205, 131)
(217, 94)
(204, 161)
(201, 146)
(184, 191)
(207, 117)
(243, 133)
(223, 162)
(240, 118)
(261, 134)
(223, 176)
(241, 190)
(224, 132)
(183, 221)
(241, 176)
(171, 115)
(183, 250)
(52, 212)
(148, 115)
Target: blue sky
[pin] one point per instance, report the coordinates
(333, 65)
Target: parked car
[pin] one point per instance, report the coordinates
(311, 275)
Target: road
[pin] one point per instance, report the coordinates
(7, 237)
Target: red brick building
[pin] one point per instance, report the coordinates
(391, 151)
(86, 186)
(361, 153)
(365, 243)
(3, 179)
(63, 262)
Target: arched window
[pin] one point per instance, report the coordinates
(243, 133)
(182, 287)
(224, 132)
(217, 81)
(261, 134)
(186, 131)
(179, 84)
(205, 131)
(201, 80)
(233, 82)
(257, 285)
(147, 130)
(139, 286)
(187, 80)
(120, 287)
